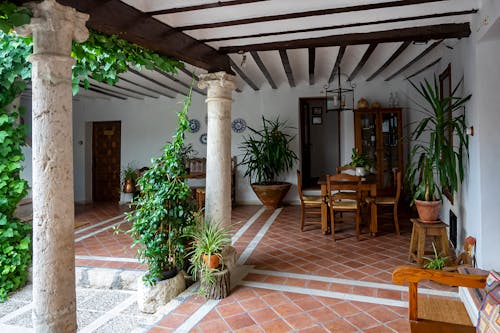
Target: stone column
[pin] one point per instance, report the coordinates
(218, 179)
(53, 27)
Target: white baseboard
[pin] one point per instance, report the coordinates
(469, 304)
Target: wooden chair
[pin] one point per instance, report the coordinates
(391, 200)
(346, 169)
(311, 206)
(338, 201)
(432, 313)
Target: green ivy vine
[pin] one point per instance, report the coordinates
(101, 57)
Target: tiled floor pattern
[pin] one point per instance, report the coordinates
(301, 281)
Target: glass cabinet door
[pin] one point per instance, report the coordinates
(389, 143)
(368, 123)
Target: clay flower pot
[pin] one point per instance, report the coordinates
(428, 211)
(212, 261)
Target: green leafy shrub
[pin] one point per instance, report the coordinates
(164, 210)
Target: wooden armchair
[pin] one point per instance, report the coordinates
(436, 314)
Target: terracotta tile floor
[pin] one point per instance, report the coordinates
(300, 281)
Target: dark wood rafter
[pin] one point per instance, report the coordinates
(103, 92)
(176, 80)
(107, 89)
(145, 87)
(189, 73)
(340, 55)
(217, 4)
(419, 34)
(389, 61)
(342, 26)
(363, 61)
(243, 76)
(119, 86)
(114, 17)
(286, 66)
(417, 58)
(423, 69)
(263, 69)
(161, 84)
(312, 64)
(320, 12)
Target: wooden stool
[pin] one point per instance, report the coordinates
(419, 234)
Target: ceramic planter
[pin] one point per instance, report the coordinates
(212, 261)
(428, 211)
(271, 195)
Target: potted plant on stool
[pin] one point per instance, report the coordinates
(360, 161)
(435, 161)
(267, 155)
(209, 238)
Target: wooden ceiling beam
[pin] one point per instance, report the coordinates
(319, 12)
(103, 92)
(423, 69)
(393, 57)
(340, 55)
(312, 64)
(114, 17)
(363, 61)
(95, 85)
(341, 26)
(145, 87)
(263, 69)
(286, 66)
(417, 58)
(419, 34)
(134, 91)
(217, 4)
(243, 76)
(161, 84)
(176, 80)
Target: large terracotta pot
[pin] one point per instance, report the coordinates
(428, 211)
(212, 261)
(271, 195)
(129, 186)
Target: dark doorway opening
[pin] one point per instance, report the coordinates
(106, 146)
(319, 140)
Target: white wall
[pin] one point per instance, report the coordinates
(147, 124)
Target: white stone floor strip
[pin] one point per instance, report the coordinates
(247, 225)
(197, 316)
(255, 241)
(15, 313)
(359, 283)
(324, 293)
(102, 258)
(79, 239)
(109, 315)
(79, 231)
(14, 329)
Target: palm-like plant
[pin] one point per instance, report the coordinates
(267, 153)
(434, 161)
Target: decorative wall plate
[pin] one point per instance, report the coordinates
(194, 125)
(203, 138)
(239, 125)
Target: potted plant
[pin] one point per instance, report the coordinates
(437, 262)
(164, 210)
(129, 175)
(360, 161)
(267, 155)
(433, 160)
(209, 238)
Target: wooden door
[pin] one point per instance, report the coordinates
(106, 142)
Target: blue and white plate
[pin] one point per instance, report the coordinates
(239, 125)
(203, 138)
(194, 125)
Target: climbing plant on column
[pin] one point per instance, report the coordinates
(101, 57)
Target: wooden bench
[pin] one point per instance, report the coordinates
(197, 170)
(432, 313)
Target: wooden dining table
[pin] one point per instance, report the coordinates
(368, 184)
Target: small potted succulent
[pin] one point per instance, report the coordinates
(360, 161)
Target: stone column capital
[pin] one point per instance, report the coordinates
(53, 24)
(219, 84)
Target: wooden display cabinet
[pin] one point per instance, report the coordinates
(379, 135)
